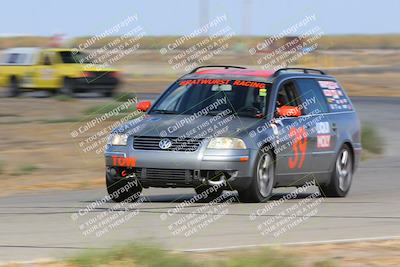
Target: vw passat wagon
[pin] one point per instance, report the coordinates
(231, 128)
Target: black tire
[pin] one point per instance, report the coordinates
(67, 87)
(53, 92)
(342, 175)
(108, 93)
(260, 189)
(210, 192)
(14, 89)
(121, 190)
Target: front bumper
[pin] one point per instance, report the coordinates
(184, 169)
(95, 84)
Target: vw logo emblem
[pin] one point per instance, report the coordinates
(165, 143)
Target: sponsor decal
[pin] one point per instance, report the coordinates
(328, 84)
(334, 95)
(204, 81)
(323, 141)
(221, 88)
(249, 84)
(123, 162)
(323, 127)
(47, 74)
(299, 146)
(262, 92)
(223, 82)
(327, 92)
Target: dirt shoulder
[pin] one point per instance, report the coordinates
(37, 150)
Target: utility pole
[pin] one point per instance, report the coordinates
(246, 17)
(203, 12)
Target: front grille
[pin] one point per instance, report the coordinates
(164, 176)
(101, 77)
(178, 144)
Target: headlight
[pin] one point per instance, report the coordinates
(118, 139)
(226, 143)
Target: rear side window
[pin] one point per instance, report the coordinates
(312, 97)
(335, 97)
(12, 58)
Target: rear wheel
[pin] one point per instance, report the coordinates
(14, 89)
(262, 185)
(342, 175)
(121, 190)
(53, 92)
(67, 87)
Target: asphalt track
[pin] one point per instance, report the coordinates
(40, 226)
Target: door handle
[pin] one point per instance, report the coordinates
(334, 127)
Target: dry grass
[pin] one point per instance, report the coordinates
(157, 42)
(58, 160)
(378, 84)
(373, 253)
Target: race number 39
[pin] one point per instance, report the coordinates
(299, 146)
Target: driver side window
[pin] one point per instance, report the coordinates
(288, 95)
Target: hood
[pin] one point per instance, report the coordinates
(166, 125)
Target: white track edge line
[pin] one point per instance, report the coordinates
(316, 242)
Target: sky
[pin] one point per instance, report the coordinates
(180, 17)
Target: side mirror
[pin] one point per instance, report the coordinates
(143, 106)
(288, 111)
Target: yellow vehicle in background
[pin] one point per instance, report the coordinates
(57, 70)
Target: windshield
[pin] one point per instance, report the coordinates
(212, 96)
(69, 57)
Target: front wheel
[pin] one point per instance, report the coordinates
(121, 190)
(262, 185)
(342, 175)
(108, 93)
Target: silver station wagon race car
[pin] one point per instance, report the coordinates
(232, 128)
